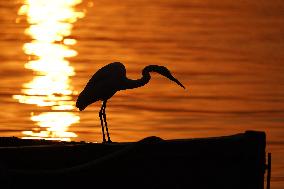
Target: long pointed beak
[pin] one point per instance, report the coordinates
(178, 82)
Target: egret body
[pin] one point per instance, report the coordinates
(110, 79)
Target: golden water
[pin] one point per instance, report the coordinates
(51, 24)
(229, 55)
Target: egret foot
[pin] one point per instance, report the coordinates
(107, 142)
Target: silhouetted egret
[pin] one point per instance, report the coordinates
(110, 79)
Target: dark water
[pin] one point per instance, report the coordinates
(229, 55)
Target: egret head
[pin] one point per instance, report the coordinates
(163, 71)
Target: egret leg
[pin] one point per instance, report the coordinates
(104, 115)
(102, 123)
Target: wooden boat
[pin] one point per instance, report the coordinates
(227, 162)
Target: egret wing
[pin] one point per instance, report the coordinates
(112, 71)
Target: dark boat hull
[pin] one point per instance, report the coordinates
(229, 162)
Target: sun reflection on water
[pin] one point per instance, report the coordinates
(51, 22)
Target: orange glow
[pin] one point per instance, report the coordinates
(60, 122)
(51, 22)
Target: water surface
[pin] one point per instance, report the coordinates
(229, 55)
